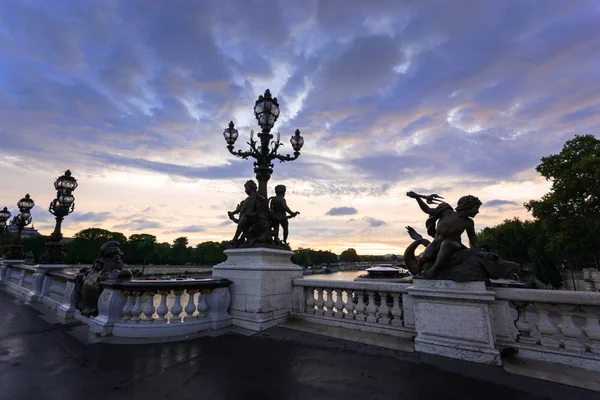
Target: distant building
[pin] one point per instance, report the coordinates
(28, 231)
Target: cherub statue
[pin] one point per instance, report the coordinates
(450, 226)
(445, 257)
(252, 223)
(87, 283)
(279, 213)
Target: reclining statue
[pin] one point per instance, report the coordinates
(87, 283)
(445, 257)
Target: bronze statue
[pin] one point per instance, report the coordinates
(279, 213)
(445, 257)
(253, 223)
(87, 282)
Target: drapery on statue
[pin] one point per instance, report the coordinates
(87, 282)
(279, 213)
(445, 257)
(259, 219)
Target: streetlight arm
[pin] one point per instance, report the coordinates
(287, 157)
(242, 154)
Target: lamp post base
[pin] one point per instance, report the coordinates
(54, 254)
(15, 252)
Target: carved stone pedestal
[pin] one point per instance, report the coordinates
(454, 320)
(261, 293)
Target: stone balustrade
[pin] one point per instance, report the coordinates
(58, 293)
(134, 308)
(549, 325)
(369, 306)
(154, 308)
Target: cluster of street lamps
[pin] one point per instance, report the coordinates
(266, 111)
(60, 207)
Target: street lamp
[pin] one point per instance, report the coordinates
(21, 221)
(60, 207)
(4, 216)
(266, 111)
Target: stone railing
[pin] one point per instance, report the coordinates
(58, 293)
(549, 325)
(22, 280)
(154, 308)
(368, 306)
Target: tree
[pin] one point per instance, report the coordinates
(86, 244)
(570, 212)
(349, 255)
(140, 248)
(209, 253)
(526, 243)
(179, 250)
(100, 234)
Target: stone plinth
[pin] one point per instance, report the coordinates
(454, 320)
(261, 293)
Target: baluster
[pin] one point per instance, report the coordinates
(524, 328)
(148, 306)
(329, 302)
(592, 328)
(371, 308)
(190, 308)
(339, 304)
(162, 308)
(546, 327)
(397, 309)
(349, 305)
(202, 304)
(176, 308)
(319, 303)
(568, 328)
(310, 300)
(128, 306)
(136, 310)
(384, 310)
(360, 306)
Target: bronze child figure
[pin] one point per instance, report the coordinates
(248, 210)
(279, 210)
(450, 226)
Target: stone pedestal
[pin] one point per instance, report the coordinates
(454, 320)
(261, 293)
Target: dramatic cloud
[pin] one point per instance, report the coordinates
(342, 211)
(437, 97)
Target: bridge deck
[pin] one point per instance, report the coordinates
(40, 359)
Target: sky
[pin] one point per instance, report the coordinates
(448, 97)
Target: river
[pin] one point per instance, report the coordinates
(337, 276)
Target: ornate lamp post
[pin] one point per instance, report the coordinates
(21, 221)
(266, 111)
(60, 207)
(4, 216)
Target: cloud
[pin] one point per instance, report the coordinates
(374, 222)
(499, 203)
(191, 229)
(342, 211)
(388, 95)
(90, 216)
(138, 224)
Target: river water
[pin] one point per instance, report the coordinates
(337, 276)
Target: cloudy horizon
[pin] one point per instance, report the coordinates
(453, 98)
